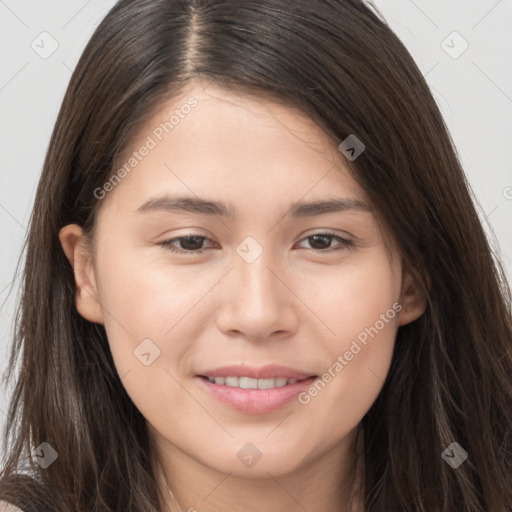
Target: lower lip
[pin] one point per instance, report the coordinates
(256, 401)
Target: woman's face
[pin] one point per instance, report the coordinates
(276, 283)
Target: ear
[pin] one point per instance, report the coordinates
(412, 298)
(77, 249)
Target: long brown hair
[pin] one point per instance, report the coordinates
(338, 62)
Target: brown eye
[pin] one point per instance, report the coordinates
(189, 243)
(321, 242)
(193, 244)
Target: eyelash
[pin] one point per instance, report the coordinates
(345, 244)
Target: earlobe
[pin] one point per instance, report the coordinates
(77, 250)
(412, 299)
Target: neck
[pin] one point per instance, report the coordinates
(333, 481)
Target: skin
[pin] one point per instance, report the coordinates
(299, 304)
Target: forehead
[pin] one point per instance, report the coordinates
(217, 143)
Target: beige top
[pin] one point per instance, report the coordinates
(7, 507)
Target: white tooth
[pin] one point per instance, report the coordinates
(251, 383)
(232, 381)
(266, 383)
(248, 383)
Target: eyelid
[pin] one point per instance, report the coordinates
(167, 244)
(346, 243)
(326, 231)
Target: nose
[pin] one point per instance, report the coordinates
(257, 301)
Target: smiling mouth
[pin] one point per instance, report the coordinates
(255, 396)
(252, 383)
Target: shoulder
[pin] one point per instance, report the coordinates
(21, 493)
(8, 507)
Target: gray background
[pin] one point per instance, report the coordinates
(473, 89)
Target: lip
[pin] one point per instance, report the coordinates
(271, 371)
(256, 401)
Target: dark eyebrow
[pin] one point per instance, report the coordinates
(298, 209)
(187, 204)
(328, 206)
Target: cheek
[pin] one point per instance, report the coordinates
(144, 305)
(361, 310)
(358, 295)
(145, 293)
(151, 327)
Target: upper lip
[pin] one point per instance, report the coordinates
(264, 372)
